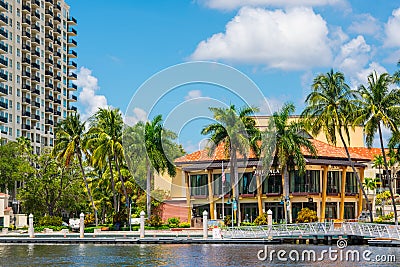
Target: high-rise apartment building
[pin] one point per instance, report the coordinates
(36, 69)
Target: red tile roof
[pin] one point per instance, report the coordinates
(369, 153)
(323, 150)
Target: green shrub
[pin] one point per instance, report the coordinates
(89, 219)
(247, 224)
(154, 220)
(228, 220)
(306, 215)
(261, 219)
(173, 222)
(91, 229)
(55, 228)
(184, 225)
(50, 221)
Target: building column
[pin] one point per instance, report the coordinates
(187, 183)
(360, 194)
(324, 189)
(343, 194)
(211, 195)
(259, 194)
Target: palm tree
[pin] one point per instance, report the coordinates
(238, 133)
(289, 142)
(329, 109)
(378, 163)
(70, 144)
(157, 139)
(379, 106)
(106, 128)
(371, 184)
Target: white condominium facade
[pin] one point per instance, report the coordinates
(37, 69)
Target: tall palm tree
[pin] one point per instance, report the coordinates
(330, 107)
(157, 139)
(70, 144)
(106, 128)
(371, 184)
(238, 133)
(289, 142)
(379, 106)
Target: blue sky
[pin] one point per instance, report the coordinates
(279, 45)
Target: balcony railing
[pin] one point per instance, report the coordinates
(3, 19)
(26, 60)
(72, 64)
(73, 86)
(26, 113)
(3, 4)
(49, 12)
(49, 24)
(3, 76)
(72, 53)
(26, 74)
(57, 19)
(35, 66)
(26, 21)
(4, 48)
(35, 117)
(3, 119)
(3, 62)
(26, 7)
(3, 104)
(73, 42)
(3, 33)
(26, 127)
(74, 97)
(27, 100)
(26, 47)
(49, 97)
(50, 85)
(72, 20)
(35, 27)
(27, 34)
(73, 76)
(35, 91)
(4, 90)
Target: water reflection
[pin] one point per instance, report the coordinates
(167, 255)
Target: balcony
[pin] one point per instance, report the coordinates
(49, 97)
(3, 119)
(72, 65)
(26, 60)
(57, 7)
(36, 104)
(72, 21)
(35, 117)
(72, 86)
(3, 91)
(49, 61)
(26, 113)
(57, 113)
(35, 91)
(49, 73)
(35, 28)
(58, 19)
(26, 127)
(3, 63)
(49, 25)
(73, 108)
(58, 31)
(26, 34)
(26, 87)
(58, 78)
(49, 2)
(36, 40)
(3, 105)
(58, 89)
(26, 9)
(3, 77)
(49, 122)
(3, 20)
(72, 76)
(26, 101)
(72, 32)
(57, 42)
(36, 15)
(72, 54)
(3, 49)
(48, 12)
(49, 37)
(73, 98)
(35, 4)
(3, 34)
(26, 22)
(26, 47)
(36, 79)
(57, 54)
(35, 66)
(57, 101)
(58, 66)
(26, 74)
(3, 6)
(49, 110)
(35, 53)
(72, 42)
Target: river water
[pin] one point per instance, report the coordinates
(195, 255)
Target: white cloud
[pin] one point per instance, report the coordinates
(392, 29)
(233, 4)
(293, 39)
(88, 97)
(136, 115)
(193, 94)
(362, 75)
(365, 24)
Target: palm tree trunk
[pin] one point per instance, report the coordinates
(286, 207)
(236, 179)
(87, 187)
(357, 176)
(148, 188)
(113, 184)
(388, 177)
(122, 181)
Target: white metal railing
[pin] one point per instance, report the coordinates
(315, 228)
